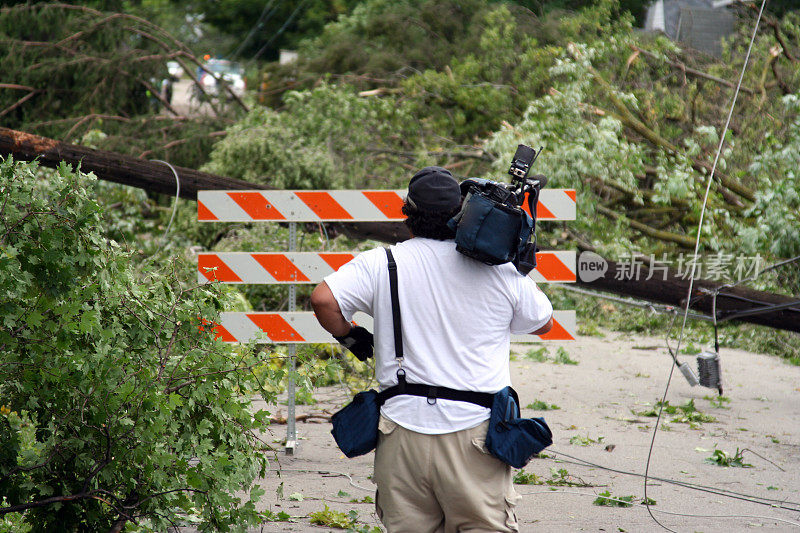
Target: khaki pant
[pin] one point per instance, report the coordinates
(441, 483)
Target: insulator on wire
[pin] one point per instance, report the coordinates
(709, 370)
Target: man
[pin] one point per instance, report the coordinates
(431, 465)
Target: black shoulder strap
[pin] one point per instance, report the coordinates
(431, 392)
(398, 330)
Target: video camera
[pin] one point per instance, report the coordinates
(492, 227)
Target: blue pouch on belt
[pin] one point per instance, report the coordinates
(355, 427)
(512, 439)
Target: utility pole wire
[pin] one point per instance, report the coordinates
(280, 31)
(696, 248)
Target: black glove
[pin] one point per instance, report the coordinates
(359, 341)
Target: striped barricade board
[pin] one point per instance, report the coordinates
(340, 206)
(312, 267)
(302, 327)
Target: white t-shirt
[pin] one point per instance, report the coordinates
(457, 318)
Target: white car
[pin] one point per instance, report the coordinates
(222, 71)
(175, 69)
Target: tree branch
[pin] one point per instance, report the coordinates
(681, 240)
(47, 501)
(693, 72)
(627, 118)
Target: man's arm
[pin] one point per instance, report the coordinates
(356, 339)
(544, 329)
(328, 312)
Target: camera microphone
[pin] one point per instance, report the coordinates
(541, 178)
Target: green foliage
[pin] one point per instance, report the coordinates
(118, 402)
(340, 520)
(70, 72)
(776, 212)
(720, 402)
(562, 357)
(260, 30)
(683, 414)
(382, 37)
(317, 141)
(489, 84)
(521, 477)
(580, 440)
(538, 354)
(281, 516)
(559, 477)
(539, 405)
(85, 76)
(606, 499)
(723, 458)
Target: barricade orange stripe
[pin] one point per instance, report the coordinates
(312, 267)
(339, 205)
(552, 268)
(558, 333)
(323, 205)
(336, 261)
(390, 203)
(204, 213)
(276, 327)
(255, 205)
(302, 327)
(222, 273)
(281, 268)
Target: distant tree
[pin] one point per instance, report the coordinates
(637, 8)
(69, 71)
(263, 27)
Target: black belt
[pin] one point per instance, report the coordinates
(432, 393)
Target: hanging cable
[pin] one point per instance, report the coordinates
(762, 271)
(628, 504)
(751, 498)
(174, 205)
(281, 30)
(266, 12)
(653, 308)
(696, 248)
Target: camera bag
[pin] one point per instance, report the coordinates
(491, 229)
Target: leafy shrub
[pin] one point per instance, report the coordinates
(118, 402)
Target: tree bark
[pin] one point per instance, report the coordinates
(157, 177)
(672, 290)
(111, 166)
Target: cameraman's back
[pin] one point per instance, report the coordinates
(457, 318)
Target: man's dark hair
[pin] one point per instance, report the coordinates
(429, 224)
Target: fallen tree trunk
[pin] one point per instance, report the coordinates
(157, 177)
(111, 166)
(668, 288)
